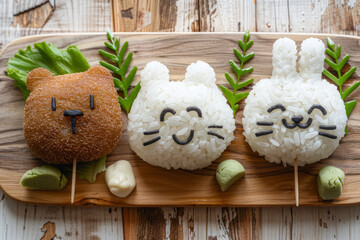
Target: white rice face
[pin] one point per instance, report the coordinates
(179, 116)
(295, 115)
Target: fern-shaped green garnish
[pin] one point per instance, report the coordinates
(231, 95)
(121, 69)
(338, 64)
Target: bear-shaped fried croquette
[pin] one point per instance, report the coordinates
(72, 116)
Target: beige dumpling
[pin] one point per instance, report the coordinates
(120, 178)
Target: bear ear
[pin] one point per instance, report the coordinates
(154, 72)
(284, 59)
(312, 59)
(200, 72)
(99, 70)
(102, 73)
(37, 76)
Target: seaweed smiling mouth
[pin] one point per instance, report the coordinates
(186, 141)
(191, 135)
(297, 122)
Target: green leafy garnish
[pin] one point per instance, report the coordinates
(86, 170)
(58, 62)
(338, 64)
(89, 170)
(122, 66)
(232, 96)
(48, 56)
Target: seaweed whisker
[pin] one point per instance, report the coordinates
(258, 134)
(215, 135)
(327, 127)
(264, 123)
(151, 132)
(154, 140)
(327, 135)
(215, 126)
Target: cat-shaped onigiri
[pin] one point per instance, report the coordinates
(180, 124)
(295, 115)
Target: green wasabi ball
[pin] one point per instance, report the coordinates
(44, 178)
(330, 182)
(228, 172)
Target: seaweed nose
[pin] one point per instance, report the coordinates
(73, 114)
(297, 119)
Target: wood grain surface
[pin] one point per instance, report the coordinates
(265, 184)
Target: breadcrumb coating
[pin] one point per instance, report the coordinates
(49, 133)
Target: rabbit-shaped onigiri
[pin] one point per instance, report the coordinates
(180, 124)
(295, 115)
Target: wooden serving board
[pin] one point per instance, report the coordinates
(265, 184)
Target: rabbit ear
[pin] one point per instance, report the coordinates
(154, 72)
(200, 72)
(312, 59)
(284, 59)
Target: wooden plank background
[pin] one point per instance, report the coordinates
(265, 184)
(24, 221)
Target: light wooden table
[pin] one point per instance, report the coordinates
(25, 221)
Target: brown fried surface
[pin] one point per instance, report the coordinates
(49, 134)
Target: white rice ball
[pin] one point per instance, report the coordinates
(295, 115)
(183, 124)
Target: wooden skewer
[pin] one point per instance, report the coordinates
(296, 182)
(73, 181)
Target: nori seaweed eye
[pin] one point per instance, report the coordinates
(53, 104)
(321, 108)
(196, 109)
(166, 110)
(277, 106)
(92, 104)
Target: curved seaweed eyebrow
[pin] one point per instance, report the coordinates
(321, 108)
(196, 109)
(276, 106)
(165, 111)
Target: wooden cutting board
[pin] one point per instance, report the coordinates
(265, 184)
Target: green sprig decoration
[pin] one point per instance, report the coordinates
(338, 64)
(231, 95)
(121, 69)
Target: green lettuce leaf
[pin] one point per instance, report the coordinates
(86, 170)
(58, 62)
(48, 56)
(89, 170)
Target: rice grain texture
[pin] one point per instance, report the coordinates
(180, 124)
(312, 121)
